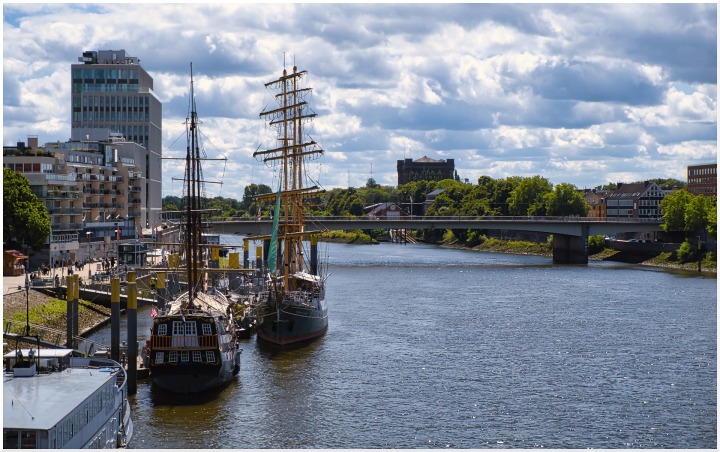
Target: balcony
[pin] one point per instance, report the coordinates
(66, 227)
(70, 177)
(65, 211)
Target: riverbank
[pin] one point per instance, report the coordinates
(661, 260)
(47, 311)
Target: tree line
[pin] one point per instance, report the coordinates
(515, 195)
(27, 221)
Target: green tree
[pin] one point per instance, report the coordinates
(565, 199)
(712, 216)
(528, 197)
(25, 219)
(673, 207)
(696, 214)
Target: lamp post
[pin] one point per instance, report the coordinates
(27, 298)
(699, 254)
(89, 246)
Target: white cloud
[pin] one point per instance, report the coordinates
(584, 94)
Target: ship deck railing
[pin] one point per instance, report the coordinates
(183, 342)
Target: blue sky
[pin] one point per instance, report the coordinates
(580, 93)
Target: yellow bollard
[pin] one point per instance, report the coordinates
(160, 283)
(234, 260)
(115, 319)
(132, 348)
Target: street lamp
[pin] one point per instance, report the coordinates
(89, 246)
(27, 298)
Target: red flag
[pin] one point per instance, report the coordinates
(153, 313)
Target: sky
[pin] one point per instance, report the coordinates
(585, 94)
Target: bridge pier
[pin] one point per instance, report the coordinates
(571, 249)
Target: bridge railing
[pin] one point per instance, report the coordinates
(419, 218)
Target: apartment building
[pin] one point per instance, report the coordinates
(634, 201)
(112, 91)
(93, 192)
(702, 179)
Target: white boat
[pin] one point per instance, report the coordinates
(52, 400)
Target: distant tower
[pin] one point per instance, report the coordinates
(111, 91)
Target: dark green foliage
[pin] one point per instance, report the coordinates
(596, 243)
(692, 214)
(688, 252)
(528, 197)
(25, 218)
(565, 200)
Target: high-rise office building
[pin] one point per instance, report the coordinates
(111, 94)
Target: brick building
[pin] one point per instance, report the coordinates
(702, 179)
(425, 168)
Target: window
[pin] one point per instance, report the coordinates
(28, 440)
(185, 356)
(197, 356)
(159, 357)
(206, 329)
(162, 329)
(10, 439)
(177, 328)
(209, 356)
(190, 329)
(173, 357)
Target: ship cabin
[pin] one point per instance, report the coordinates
(47, 409)
(188, 339)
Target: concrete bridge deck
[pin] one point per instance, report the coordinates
(569, 233)
(575, 226)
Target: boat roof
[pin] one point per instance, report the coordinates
(42, 401)
(42, 353)
(307, 277)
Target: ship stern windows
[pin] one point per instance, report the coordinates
(184, 334)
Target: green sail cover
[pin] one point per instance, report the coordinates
(272, 252)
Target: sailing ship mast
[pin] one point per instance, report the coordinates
(289, 118)
(193, 225)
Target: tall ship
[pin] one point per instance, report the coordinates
(291, 307)
(54, 400)
(194, 341)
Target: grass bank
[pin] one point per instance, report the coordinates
(354, 237)
(663, 260)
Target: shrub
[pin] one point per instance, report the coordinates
(448, 236)
(475, 238)
(596, 243)
(687, 252)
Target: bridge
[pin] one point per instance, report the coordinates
(569, 233)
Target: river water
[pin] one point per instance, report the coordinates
(436, 348)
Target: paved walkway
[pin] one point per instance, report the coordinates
(11, 283)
